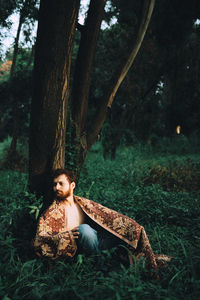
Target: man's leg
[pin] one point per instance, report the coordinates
(91, 243)
(107, 240)
(87, 241)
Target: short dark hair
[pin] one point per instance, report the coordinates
(68, 173)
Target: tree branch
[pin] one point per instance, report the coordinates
(121, 72)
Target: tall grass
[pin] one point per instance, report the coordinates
(170, 218)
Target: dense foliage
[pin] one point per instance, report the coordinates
(170, 218)
(160, 91)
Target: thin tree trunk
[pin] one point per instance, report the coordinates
(16, 46)
(15, 113)
(56, 27)
(119, 76)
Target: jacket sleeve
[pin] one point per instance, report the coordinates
(53, 245)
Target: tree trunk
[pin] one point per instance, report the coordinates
(15, 113)
(120, 74)
(51, 77)
(84, 137)
(79, 109)
(56, 27)
(16, 46)
(82, 78)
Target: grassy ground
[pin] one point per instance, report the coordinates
(138, 183)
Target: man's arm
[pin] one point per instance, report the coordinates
(53, 245)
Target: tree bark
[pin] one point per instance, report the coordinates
(82, 76)
(56, 27)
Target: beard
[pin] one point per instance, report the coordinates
(62, 196)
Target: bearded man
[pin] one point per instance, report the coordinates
(74, 223)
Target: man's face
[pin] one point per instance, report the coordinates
(62, 187)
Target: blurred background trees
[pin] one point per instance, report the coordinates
(15, 86)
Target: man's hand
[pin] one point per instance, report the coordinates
(75, 232)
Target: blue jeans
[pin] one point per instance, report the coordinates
(91, 242)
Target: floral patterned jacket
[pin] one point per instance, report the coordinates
(52, 240)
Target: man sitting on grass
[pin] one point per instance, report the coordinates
(74, 223)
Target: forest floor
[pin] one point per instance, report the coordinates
(161, 191)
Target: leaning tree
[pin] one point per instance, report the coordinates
(53, 54)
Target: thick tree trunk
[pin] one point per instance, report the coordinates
(56, 27)
(82, 78)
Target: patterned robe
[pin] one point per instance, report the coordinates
(52, 240)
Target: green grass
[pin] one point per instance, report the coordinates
(170, 218)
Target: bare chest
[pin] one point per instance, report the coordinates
(74, 216)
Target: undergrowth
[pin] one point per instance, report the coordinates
(17, 160)
(170, 217)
